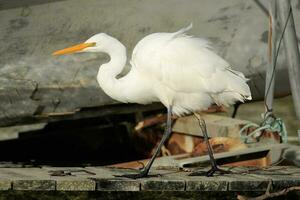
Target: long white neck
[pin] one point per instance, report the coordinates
(108, 72)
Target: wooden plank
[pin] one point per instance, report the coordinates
(186, 162)
(271, 152)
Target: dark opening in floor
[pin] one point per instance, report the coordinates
(84, 142)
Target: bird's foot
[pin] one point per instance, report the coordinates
(132, 176)
(210, 172)
(214, 170)
(141, 174)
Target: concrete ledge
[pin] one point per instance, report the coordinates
(103, 179)
(39, 185)
(75, 185)
(117, 185)
(163, 185)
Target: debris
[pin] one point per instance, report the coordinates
(186, 146)
(268, 194)
(69, 172)
(158, 119)
(219, 144)
(131, 165)
(263, 155)
(217, 126)
(182, 143)
(161, 118)
(165, 151)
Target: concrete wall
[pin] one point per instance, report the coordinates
(34, 82)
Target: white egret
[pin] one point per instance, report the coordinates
(180, 71)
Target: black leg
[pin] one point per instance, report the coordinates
(236, 107)
(144, 172)
(214, 166)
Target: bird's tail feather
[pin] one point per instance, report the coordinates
(237, 89)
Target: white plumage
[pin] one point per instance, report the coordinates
(173, 68)
(178, 70)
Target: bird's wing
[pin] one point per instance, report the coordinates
(189, 64)
(183, 63)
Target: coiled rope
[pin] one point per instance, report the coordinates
(270, 123)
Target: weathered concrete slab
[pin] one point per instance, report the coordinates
(117, 185)
(5, 184)
(162, 184)
(186, 161)
(24, 174)
(35, 84)
(247, 183)
(27, 179)
(241, 179)
(207, 184)
(198, 183)
(72, 178)
(279, 177)
(35, 185)
(75, 185)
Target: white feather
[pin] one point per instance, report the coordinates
(176, 69)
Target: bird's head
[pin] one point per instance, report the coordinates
(96, 43)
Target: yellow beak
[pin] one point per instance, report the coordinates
(73, 49)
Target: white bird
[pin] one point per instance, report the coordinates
(180, 71)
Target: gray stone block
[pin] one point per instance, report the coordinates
(206, 185)
(117, 185)
(33, 185)
(76, 185)
(5, 184)
(163, 185)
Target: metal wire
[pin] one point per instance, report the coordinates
(270, 122)
(276, 57)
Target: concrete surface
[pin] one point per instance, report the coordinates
(35, 83)
(103, 179)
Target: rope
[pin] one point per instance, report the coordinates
(270, 123)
